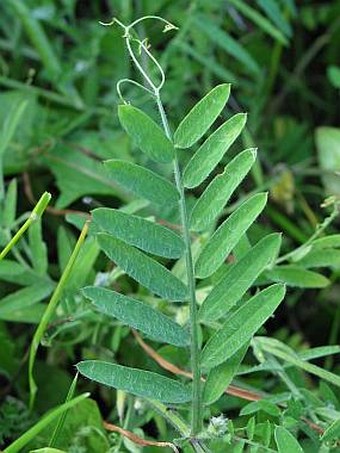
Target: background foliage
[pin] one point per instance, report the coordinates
(58, 121)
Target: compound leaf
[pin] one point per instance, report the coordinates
(201, 116)
(241, 326)
(218, 192)
(145, 384)
(228, 234)
(142, 233)
(137, 315)
(213, 149)
(146, 134)
(231, 287)
(142, 182)
(143, 269)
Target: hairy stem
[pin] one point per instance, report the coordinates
(196, 421)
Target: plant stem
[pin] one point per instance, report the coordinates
(196, 420)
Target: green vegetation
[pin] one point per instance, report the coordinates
(175, 286)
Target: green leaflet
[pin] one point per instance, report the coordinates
(321, 258)
(332, 432)
(285, 441)
(201, 116)
(220, 377)
(137, 315)
(240, 327)
(228, 234)
(142, 233)
(137, 382)
(331, 241)
(213, 149)
(142, 182)
(216, 195)
(143, 269)
(146, 134)
(296, 276)
(231, 287)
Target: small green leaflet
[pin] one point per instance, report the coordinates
(321, 258)
(333, 241)
(240, 327)
(297, 277)
(285, 441)
(145, 384)
(142, 182)
(201, 116)
(332, 432)
(137, 315)
(213, 149)
(220, 377)
(228, 234)
(143, 269)
(216, 195)
(142, 233)
(146, 134)
(229, 290)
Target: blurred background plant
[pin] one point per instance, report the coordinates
(58, 73)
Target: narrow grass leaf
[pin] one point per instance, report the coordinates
(38, 248)
(285, 441)
(201, 116)
(143, 269)
(226, 42)
(10, 204)
(142, 182)
(241, 326)
(219, 378)
(216, 195)
(230, 288)
(296, 276)
(213, 149)
(228, 234)
(272, 10)
(146, 134)
(145, 384)
(138, 315)
(142, 233)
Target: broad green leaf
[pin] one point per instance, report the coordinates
(284, 352)
(146, 134)
(321, 258)
(213, 149)
(142, 182)
(24, 298)
(328, 147)
(331, 241)
(297, 277)
(226, 42)
(228, 234)
(142, 233)
(138, 315)
(241, 326)
(145, 384)
(230, 288)
(332, 432)
(285, 441)
(201, 116)
(142, 268)
(219, 378)
(216, 195)
(333, 73)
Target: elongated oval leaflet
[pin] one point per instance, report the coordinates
(146, 134)
(145, 384)
(143, 269)
(137, 315)
(228, 234)
(296, 276)
(142, 182)
(213, 149)
(201, 116)
(285, 441)
(240, 327)
(229, 290)
(220, 377)
(142, 233)
(321, 258)
(216, 195)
